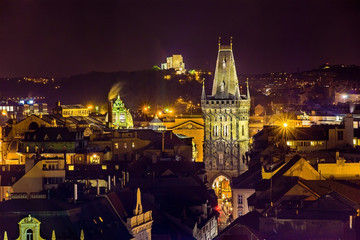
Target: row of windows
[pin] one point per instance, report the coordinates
(7, 108)
(51, 167)
(226, 130)
(77, 112)
(305, 143)
(53, 180)
(125, 145)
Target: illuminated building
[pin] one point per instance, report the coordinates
(76, 110)
(226, 121)
(192, 127)
(121, 117)
(22, 108)
(156, 124)
(175, 62)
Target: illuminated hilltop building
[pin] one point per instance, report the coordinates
(175, 62)
(226, 123)
(121, 117)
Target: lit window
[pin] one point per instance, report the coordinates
(116, 145)
(94, 159)
(27, 149)
(133, 144)
(125, 145)
(103, 167)
(71, 167)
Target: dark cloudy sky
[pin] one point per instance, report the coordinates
(66, 37)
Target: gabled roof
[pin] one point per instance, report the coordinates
(188, 125)
(240, 226)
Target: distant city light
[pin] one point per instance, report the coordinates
(344, 96)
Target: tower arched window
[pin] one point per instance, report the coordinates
(242, 130)
(29, 234)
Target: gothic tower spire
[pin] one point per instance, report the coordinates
(225, 78)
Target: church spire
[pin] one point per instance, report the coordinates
(5, 236)
(203, 94)
(247, 89)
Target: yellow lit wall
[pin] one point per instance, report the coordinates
(339, 170)
(191, 127)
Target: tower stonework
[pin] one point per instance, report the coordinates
(226, 120)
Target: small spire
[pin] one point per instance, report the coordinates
(237, 91)
(53, 237)
(82, 237)
(231, 38)
(203, 94)
(247, 88)
(5, 236)
(219, 42)
(138, 209)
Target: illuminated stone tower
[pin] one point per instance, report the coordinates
(121, 116)
(226, 120)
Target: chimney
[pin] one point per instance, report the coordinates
(110, 115)
(75, 193)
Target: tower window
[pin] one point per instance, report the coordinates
(216, 131)
(29, 234)
(242, 130)
(221, 159)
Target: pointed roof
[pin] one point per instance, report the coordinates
(247, 89)
(203, 94)
(225, 78)
(138, 209)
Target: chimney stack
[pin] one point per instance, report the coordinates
(110, 115)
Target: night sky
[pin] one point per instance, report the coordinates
(60, 38)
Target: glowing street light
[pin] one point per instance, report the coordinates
(285, 125)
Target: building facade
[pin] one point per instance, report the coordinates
(226, 120)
